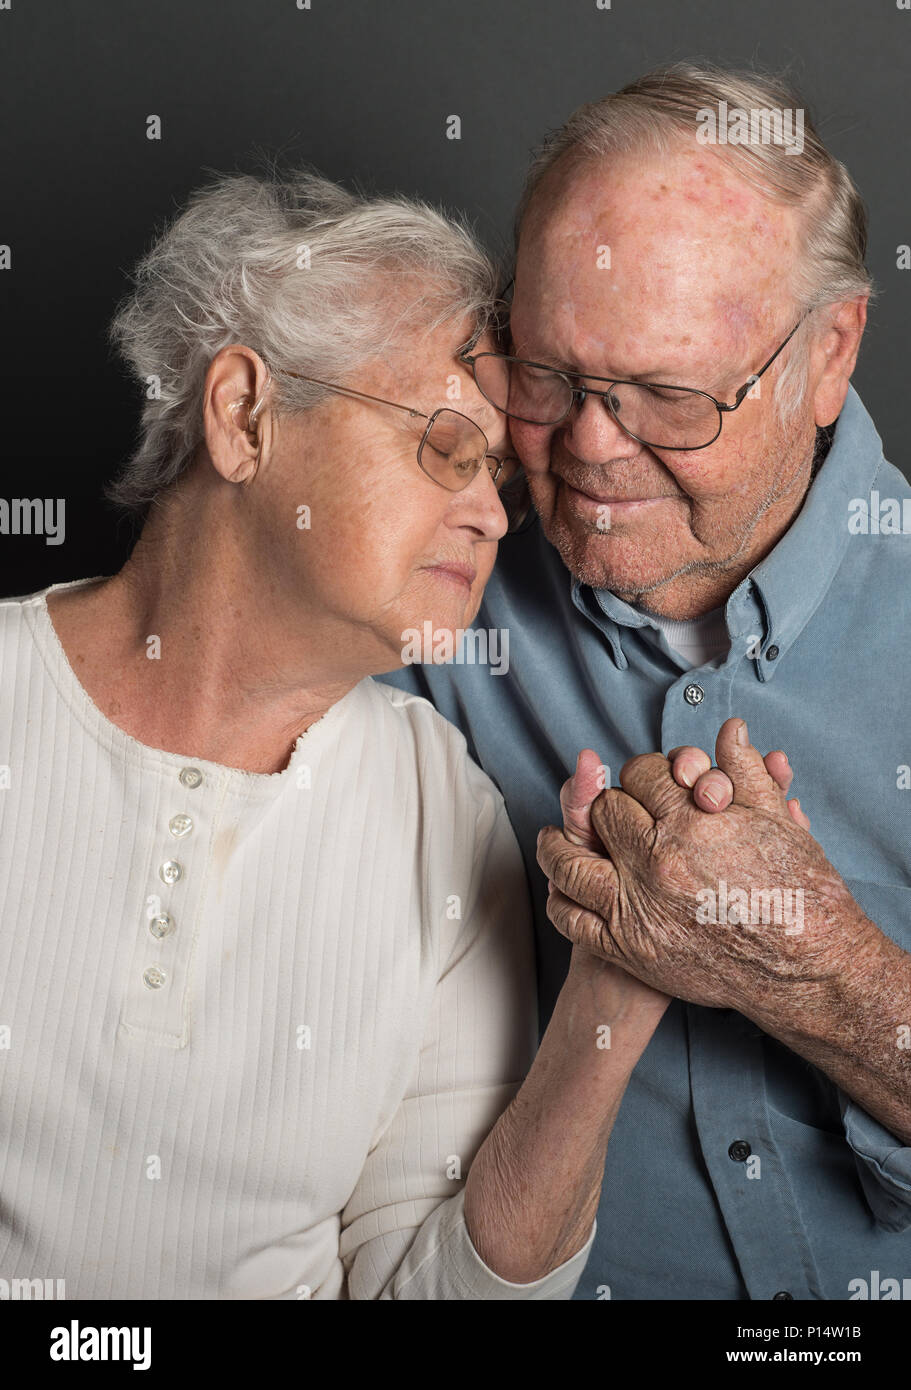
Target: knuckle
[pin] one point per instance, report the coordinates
(603, 812)
(641, 762)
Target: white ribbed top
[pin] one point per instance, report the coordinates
(347, 1001)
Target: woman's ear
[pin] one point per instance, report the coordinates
(235, 394)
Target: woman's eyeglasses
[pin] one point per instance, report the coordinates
(452, 450)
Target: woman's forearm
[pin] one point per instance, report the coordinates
(533, 1189)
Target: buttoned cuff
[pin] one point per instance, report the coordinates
(884, 1165)
(453, 1269)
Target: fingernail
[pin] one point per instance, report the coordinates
(709, 798)
(743, 737)
(685, 776)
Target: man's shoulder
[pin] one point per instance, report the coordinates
(878, 515)
(892, 478)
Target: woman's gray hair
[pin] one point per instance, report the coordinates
(653, 113)
(300, 270)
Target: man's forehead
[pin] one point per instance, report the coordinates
(629, 220)
(635, 185)
(639, 258)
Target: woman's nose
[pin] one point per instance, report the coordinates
(478, 505)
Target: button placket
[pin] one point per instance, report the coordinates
(170, 872)
(155, 1006)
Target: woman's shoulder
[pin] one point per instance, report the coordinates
(17, 617)
(18, 610)
(438, 747)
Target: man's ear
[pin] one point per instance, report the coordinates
(234, 398)
(833, 357)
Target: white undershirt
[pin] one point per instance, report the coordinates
(347, 1004)
(699, 641)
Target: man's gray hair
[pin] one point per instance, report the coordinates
(312, 277)
(657, 111)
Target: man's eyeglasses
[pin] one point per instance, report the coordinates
(658, 415)
(452, 450)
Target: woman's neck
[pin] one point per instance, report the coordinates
(186, 650)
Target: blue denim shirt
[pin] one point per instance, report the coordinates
(820, 665)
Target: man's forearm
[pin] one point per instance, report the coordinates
(533, 1188)
(856, 1025)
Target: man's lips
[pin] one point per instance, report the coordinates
(619, 504)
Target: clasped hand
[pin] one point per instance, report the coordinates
(719, 909)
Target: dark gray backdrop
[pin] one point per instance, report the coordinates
(362, 89)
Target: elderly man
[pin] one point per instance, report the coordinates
(697, 561)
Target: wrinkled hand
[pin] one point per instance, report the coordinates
(663, 902)
(624, 991)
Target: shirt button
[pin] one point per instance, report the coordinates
(694, 694)
(739, 1151)
(783, 1293)
(162, 924)
(153, 977)
(771, 653)
(190, 777)
(180, 825)
(170, 871)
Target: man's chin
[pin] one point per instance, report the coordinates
(619, 561)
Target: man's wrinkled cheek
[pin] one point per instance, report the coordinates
(533, 445)
(721, 475)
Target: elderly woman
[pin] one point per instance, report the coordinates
(265, 946)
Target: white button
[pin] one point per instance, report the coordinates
(190, 777)
(170, 871)
(160, 926)
(153, 977)
(180, 825)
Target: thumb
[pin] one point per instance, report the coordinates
(576, 797)
(752, 782)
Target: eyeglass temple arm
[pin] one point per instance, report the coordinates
(348, 391)
(751, 381)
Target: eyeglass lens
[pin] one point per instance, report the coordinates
(664, 416)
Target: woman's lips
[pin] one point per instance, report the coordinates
(463, 575)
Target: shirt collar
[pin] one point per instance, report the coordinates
(790, 583)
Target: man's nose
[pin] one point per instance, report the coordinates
(594, 436)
